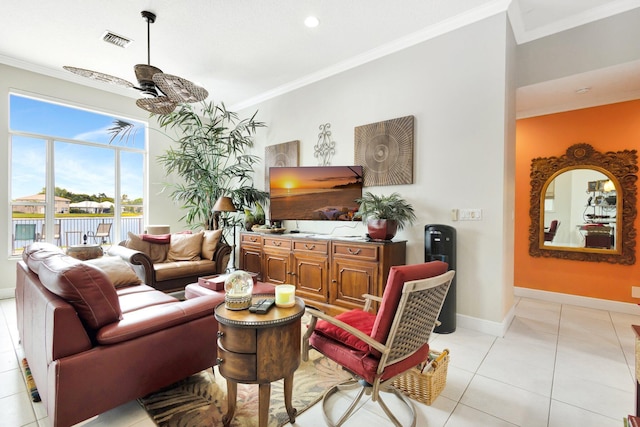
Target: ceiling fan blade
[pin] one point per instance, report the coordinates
(158, 105)
(179, 89)
(101, 77)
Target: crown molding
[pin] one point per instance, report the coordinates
(591, 15)
(596, 102)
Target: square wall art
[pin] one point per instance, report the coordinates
(385, 150)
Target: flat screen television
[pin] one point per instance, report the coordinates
(325, 193)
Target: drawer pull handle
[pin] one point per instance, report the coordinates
(309, 247)
(352, 252)
(219, 360)
(276, 243)
(220, 334)
(253, 239)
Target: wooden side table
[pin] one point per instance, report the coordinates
(258, 349)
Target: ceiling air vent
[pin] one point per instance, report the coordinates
(115, 39)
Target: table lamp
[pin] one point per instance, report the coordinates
(225, 204)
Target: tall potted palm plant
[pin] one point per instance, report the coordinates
(209, 155)
(385, 215)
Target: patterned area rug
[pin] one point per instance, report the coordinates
(201, 400)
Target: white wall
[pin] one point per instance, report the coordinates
(160, 209)
(457, 88)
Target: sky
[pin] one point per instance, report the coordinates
(80, 169)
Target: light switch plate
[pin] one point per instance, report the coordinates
(470, 215)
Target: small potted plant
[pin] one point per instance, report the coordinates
(385, 215)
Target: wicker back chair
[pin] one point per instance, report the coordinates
(102, 234)
(376, 348)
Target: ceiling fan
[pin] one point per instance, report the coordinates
(163, 92)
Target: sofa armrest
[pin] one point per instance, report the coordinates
(156, 318)
(140, 262)
(221, 257)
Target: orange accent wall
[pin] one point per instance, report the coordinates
(611, 127)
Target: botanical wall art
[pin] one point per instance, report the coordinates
(385, 149)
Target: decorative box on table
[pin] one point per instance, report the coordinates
(216, 282)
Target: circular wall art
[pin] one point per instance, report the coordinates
(280, 155)
(385, 150)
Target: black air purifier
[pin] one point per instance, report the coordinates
(440, 244)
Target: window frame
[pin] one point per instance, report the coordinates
(50, 184)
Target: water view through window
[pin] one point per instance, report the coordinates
(68, 176)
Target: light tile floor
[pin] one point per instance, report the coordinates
(558, 365)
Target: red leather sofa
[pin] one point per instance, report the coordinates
(92, 347)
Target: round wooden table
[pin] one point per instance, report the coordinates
(258, 349)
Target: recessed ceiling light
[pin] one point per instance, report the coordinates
(583, 90)
(311, 22)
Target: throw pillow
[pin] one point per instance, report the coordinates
(164, 239)
(156, 252)
(185, 247)
(117, 270)
(210, 243)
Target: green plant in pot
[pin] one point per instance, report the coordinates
(385, 215)
(210, 156)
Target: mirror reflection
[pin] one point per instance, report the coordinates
(583, 205)
(580, 210)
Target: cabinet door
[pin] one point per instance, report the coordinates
(277, 267)
(251, 259)
(311, 276)
(351, 279)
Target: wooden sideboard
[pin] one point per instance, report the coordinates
(330, 274)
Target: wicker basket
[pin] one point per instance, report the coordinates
(425, 387)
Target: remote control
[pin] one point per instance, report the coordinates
(262, 306)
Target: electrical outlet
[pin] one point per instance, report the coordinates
(470, 215)
(454, 214)
(635, 292)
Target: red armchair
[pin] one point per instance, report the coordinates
(377, 348)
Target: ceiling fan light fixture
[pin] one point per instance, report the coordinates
(166, 91)
(144, 75)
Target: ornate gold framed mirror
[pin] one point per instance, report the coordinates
(583, 205)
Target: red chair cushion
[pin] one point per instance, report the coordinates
(398, 275)
(361, 320)
(362, 363)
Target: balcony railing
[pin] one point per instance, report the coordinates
(71, 231)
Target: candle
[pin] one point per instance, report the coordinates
(285, 295)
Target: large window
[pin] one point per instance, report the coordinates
(69, 176)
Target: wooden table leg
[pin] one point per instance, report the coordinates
(232, 394)
(263, 404)
(288, 392)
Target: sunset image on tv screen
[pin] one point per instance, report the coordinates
(315, 192)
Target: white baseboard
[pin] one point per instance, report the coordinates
(7, 293)
(498, 329)
(488, 327)
(596, 303)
